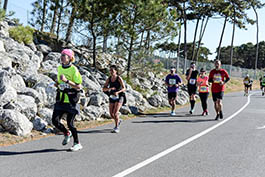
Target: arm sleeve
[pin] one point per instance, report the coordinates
(179, 80)
(77, 78)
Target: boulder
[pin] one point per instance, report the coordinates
(46, 115)
(39, 124)
(15, 122)
(27, 106)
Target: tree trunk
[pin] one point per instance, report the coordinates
(147, 42)
(178, 54)
(185, 38)
(221, 39)
(130, 57)
(43, 15)
(59, 20)
(118, 46)
(141, 39)
(194, 40)
(94, 49)
(232, 43)
(200, 40)
(257, 47)
(55, 14)
(5, 5)
(71, 23)
(105, 43)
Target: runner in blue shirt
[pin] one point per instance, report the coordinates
(173, 82)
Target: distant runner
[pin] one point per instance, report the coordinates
(191, 76)
(173, 82)
(218, 77)
(247, 83)
(202, 83)
(262, 84)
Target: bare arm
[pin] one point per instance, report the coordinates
(122, 85)
(71, 83)
(105, 87)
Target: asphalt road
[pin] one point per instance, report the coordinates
(155, 146)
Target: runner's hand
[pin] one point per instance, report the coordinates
(112, 88)
(63, 78)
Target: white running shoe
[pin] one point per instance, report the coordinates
(115, 130)
(172, 113)
(76, 147)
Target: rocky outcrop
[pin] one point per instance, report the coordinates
(27, 91)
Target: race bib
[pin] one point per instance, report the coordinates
(63, 86)
(203, 89)
(217, 78)
(192, 81)
(172, 82)
(246, 82)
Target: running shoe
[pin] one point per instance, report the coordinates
(67, 138)
(191, 111)
(76, 147)
(221, 115)
(217, 117)
(203, 113)
(172, 113)
(115, 130)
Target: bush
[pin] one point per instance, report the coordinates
(22, 34)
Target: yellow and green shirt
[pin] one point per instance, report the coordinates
(72, 74)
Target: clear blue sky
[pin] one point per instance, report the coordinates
(212, 33)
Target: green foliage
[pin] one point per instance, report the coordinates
(244, 55)
(22, 34)
(2, 14)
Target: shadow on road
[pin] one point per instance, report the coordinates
(178, 114)
(173, 121)
(97, 131)
(8, 153)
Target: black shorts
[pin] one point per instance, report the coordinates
(218, 95)
(120, 100)
(172, 95)
(247, 86)
(192, 89)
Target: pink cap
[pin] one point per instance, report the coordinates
(68, 52)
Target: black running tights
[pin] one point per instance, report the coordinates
(56, 117)
(204, 98)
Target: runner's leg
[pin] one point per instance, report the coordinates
(116, 110)
(56, 121)
(70, 123)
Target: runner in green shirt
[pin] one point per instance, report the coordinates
(69, 83)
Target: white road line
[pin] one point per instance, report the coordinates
(177, 146)
(259, 128)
